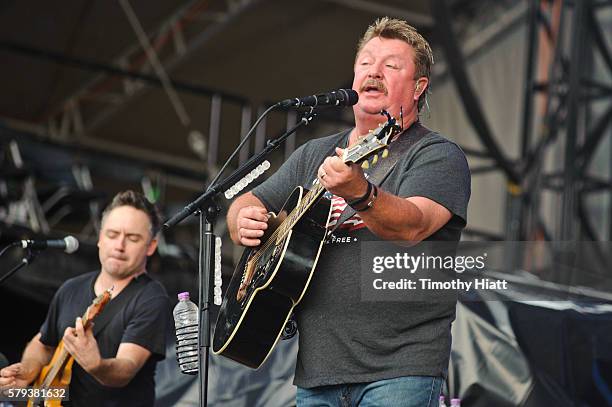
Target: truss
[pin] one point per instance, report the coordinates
(176, 38)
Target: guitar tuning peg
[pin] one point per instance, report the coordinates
(385, 153)
(365, 165)
(375, 159)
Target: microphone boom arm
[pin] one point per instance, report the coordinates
(28, 258)
(207, 209)
(238, 174)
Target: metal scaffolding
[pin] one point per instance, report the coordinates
(570, 121)
(559, 98)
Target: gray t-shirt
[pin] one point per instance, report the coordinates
(343, 339)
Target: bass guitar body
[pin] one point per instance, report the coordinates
(55, 376)
(60, 380)
(269, 281)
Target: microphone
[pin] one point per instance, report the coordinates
(69, 244)
(340, 97)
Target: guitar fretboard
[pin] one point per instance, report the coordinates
(61, 360)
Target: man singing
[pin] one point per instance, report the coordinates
(372, 353)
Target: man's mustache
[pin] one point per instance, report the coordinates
(373, 84)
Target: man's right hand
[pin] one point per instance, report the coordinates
(252, 221)
(18, 375)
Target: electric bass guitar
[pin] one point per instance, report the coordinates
(57, 374)
(271, 279)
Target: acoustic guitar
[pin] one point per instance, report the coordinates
(271, 279)
(57, 374)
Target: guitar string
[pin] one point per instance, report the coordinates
(51, 375)
(57, 366)
(309, 199)
(306, 202)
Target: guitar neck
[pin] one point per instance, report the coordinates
(57, 366)
(61, 358)
(296, 214)
(370, 144)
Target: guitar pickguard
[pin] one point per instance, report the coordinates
(262, 269)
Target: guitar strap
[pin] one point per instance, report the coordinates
(378, 173)
(117, 303)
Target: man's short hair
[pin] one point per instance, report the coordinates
(138, 201)
(392, 28)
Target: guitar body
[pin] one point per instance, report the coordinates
(61, 380)
(58, 373)
(270, 280)
(252, 318)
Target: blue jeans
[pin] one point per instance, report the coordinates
(409, 391)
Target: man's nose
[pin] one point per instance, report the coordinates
(120, 242)
(375, 71)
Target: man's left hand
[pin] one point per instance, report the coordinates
(81, 344)
(346, 181)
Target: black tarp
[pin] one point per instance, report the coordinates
(504, 354)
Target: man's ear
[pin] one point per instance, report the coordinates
(152, 247)
(421, 86)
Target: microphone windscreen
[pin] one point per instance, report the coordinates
(72, 244)
(351, 97)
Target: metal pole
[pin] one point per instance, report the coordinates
(568, 205)
(206, 266)
(532, 50)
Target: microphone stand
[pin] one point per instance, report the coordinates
(207, 211)
(27, 259)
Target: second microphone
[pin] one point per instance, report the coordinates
(340, 97)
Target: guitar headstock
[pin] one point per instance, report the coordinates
(96, 307)
(374, 142)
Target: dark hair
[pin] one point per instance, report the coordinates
(138, 201)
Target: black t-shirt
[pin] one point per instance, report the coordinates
(141, 321)
(342, 338)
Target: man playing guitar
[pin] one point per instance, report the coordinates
(116, 364)
(377, 353)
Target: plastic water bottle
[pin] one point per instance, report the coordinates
(186, 325)
(455, 402)
(441, 402)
